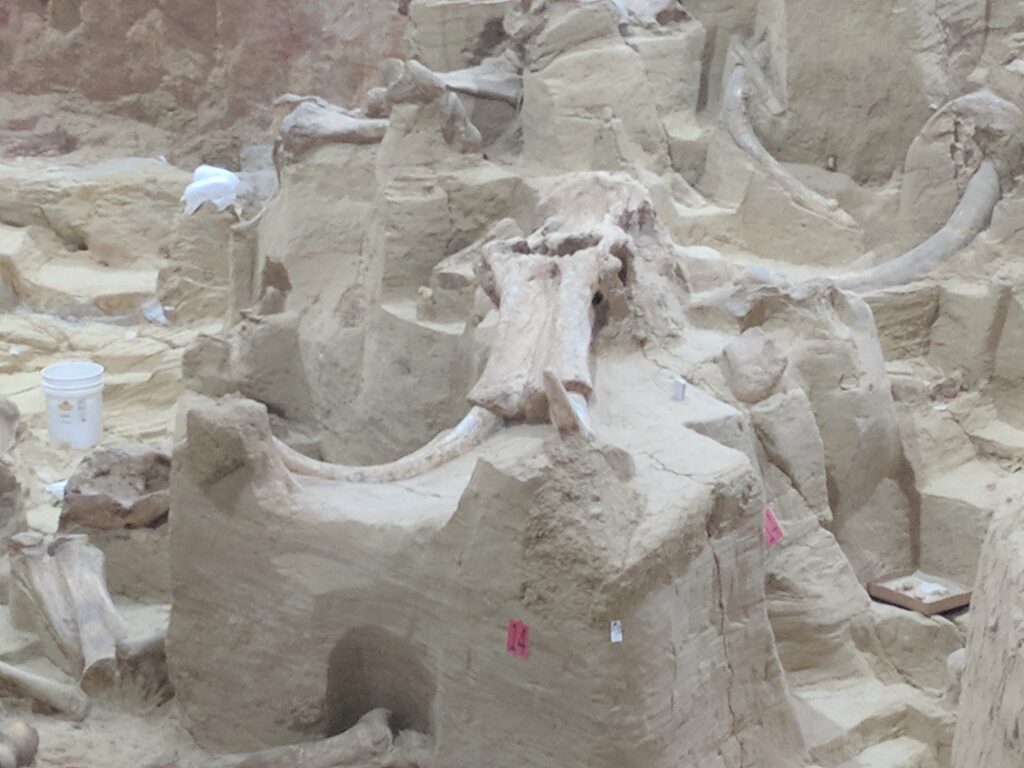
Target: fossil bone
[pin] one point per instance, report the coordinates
(568, 410)
(1000, 123)
(737, 123)
(314, 122)
(59, 588)
(545, 318)
(367, 744)
(475, 427)
(410, 82)
(545, 288)
(60, 697)
(971, 216)
(456, 127)
(19, 743)
(498, 78)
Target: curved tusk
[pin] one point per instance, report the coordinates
(737, 123)
(972, 214)
(475, 427)
(568, 411)
(581, 409)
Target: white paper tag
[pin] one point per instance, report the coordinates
(679, 389)
(616, 631)
(57, 489)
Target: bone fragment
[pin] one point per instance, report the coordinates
(367, 744)
(456, 127)
(546, 288)
(67, 699)
(498, 78)
(760, 82)
(410, 82)
(20, 742)
(477, 426)
(971, 216)
(59, 588)
(10, 424)
(737, 123)
(312, 124)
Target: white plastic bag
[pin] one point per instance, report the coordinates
(211, 184)
(153, 311)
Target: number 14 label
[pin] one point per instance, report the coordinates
(518, 640)
(772, 530)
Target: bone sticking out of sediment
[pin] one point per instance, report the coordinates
(66, 699)
(475, 427)
(20, 743)
(737, 123)
(61, 582)
(367, 744)
(567, 410)
(972, 214)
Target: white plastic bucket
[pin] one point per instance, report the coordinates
(74, 402)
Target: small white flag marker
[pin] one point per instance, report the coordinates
(616, 631)
(679, 389)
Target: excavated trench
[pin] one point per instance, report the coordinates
(692, 268)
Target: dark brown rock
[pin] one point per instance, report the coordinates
(119, 487)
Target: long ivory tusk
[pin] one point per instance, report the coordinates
(22, 740)
(972, 214)
(477, 426)
(567, 410)
(737, 123)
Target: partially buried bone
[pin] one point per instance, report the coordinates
(498, 78)
(547, 289)
(19, 743)
(69, 700)
(368, 744)
(737, 123)
(477, 426)
(315, 122)
(972, 215)
(410, 82)
(59, 589)
(456, 127)
(567, 410)
(999, 133)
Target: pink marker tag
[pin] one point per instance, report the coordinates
(518, 641)
(772, 529)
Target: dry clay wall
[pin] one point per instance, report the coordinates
(198, 68)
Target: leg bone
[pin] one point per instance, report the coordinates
(67, 699)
